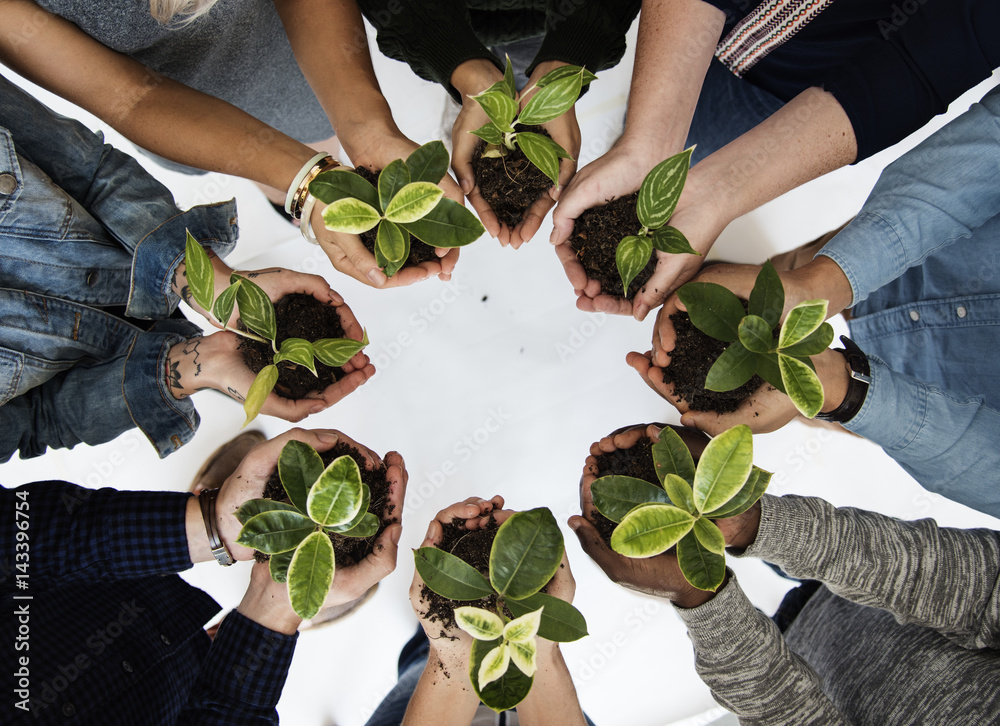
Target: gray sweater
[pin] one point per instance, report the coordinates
(906, 631)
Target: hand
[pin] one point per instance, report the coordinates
(214, 361)
(452, 645)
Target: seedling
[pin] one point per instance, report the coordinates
(298, 536)
(652, 519)
(658, 197)
(526, 553)
(557, 92)
(408, 201)
(783, 361)
(257, 314)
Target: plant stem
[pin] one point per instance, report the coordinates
(508, 139)
(250, 336)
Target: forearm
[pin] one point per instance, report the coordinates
(154, 112)
(443, 696)
(676, 43)
(552, 700)
(742, 657)
(945, 579)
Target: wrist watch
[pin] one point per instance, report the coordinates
(207, 501)
(857, 384)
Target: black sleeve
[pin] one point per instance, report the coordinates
(589, 34)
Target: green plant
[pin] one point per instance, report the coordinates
(526, 553)
(257, 314)
(782, 360)
(658, 197)
(557, 92)
(652, 519)
(297, 536)
(408, 201)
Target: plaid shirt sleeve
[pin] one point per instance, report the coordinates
(241, 680)
(80, 535)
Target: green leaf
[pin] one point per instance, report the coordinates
(672, 456)
(413, 202)
(275, 531)
(723, 467)
(661, 189)
(767, 299)
(480, 624)
(224, 304)
(494, 665)
(755, 334)
(522, 655)
(278, 565)
(336, 496)
(552, 100)
(337, 351)
(310, 575)
(680, 492)
(709, 536)
(767, 368)
(713, 309)
(631, 257)
(366, 527)
(526, 553)
(732, 369)
(389, 268)
(508, 690)
(252, 507)
(449, 224)
(260, 389)
(562, 72)
(650, 530)
(543, 152)
(391, 179)
(802, 385)
(523, 628)
(256, 309)
(199, 272)
(753, 489)
(490, 134)
(393, 242)
(813, 344)
(343, 183)
(350, 216)
(616, 496)
(561, 622)
(298, 351)
(509, 86)
(701, 567)
(429, 163)
(299, 466)
(499, 108)
(672, 241)
(801, 320)
(449, 576)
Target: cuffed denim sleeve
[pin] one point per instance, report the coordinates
(742, 657)
(931, 197)
(948, 444)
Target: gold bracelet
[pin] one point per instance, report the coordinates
(302, 191)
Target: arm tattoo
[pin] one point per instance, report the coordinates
(235, 394)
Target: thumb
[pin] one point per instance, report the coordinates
(591, 542)
(707, 421)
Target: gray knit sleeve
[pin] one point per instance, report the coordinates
(742, 657)
(936, 577)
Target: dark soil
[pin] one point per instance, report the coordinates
(419, 251)
(298, 316)
(595, 237)
(693, 355)
(636, 462)
(510, 184)
(347, 550)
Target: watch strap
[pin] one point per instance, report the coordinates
(857, 385)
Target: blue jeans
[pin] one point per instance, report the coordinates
(89, 243)
(412, 660)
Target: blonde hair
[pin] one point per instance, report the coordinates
(166, 11)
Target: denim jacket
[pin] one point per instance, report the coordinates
(88, 246)
(923, 260)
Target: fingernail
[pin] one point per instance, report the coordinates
(335, 298)
(316, 409)
(574, 523)
(687, 420)
(328, 438)
(642, 311)
(395, 534)
(552, 238)
(376, 276)
(466, 186)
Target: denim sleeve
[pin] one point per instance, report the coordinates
(80, 535)
(137, 211)
(93, 404)
(743, 658)
(937, 194)
(241, 680)
(948, 444)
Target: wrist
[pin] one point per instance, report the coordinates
(266, 603)
(821, 278)
(692, 597)
(835, 375)
(474, 76)
(181, 367)
(199, 549)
